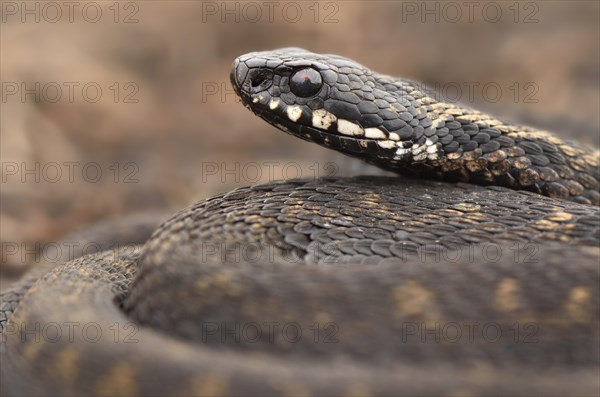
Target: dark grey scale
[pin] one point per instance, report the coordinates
(382, 247)
(429, 132)
(288, 98)
(547, 147)
(394, 124)
(320, 238)
(413, 123)
(342, 110)
(530, 147)
(301, 101)
(489, 147)
(368, 96)
(458, 133)
(329, 76)
(343, 88)
(354, 78)
(413, 111)
(447, 139)
(366, 88)
(425, 122)
(505, 141)
(355, 85)
(380, 94)
(367, 107)
(256, 62)
(387, 114)
(453, 125)
(349, 97)
(386, 153)
(481, 138)
(315, 103)
(463, 138)
(273, 63)
(492, 132)
(296, 63)
(343, 79)
(339, 62)
(381, 104)
(442, 132)
(418, 132)
(284, 86)
(372, 120)
(399, 108)
(363, 246)
(346, 246)
(588, 181)
(404, 133)
(470, 128)
(406, 116)
(404, 102)
(467, 147)
(539, 159)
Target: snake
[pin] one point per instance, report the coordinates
(474, 271)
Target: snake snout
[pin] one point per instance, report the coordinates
(247, 81)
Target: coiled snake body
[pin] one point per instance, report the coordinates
(351, 286)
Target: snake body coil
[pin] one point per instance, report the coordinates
(352, 286)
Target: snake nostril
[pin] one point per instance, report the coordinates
(257, 80)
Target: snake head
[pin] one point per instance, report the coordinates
(330, 100)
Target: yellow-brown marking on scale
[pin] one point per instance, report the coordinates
(415, 300)
(579, 305)
(209, 385)
(506, 299)
(120, 380)
(66, 368)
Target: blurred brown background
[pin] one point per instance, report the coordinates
(166, 121)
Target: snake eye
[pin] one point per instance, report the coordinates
(305, 82)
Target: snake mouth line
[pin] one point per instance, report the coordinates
(354, 146)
